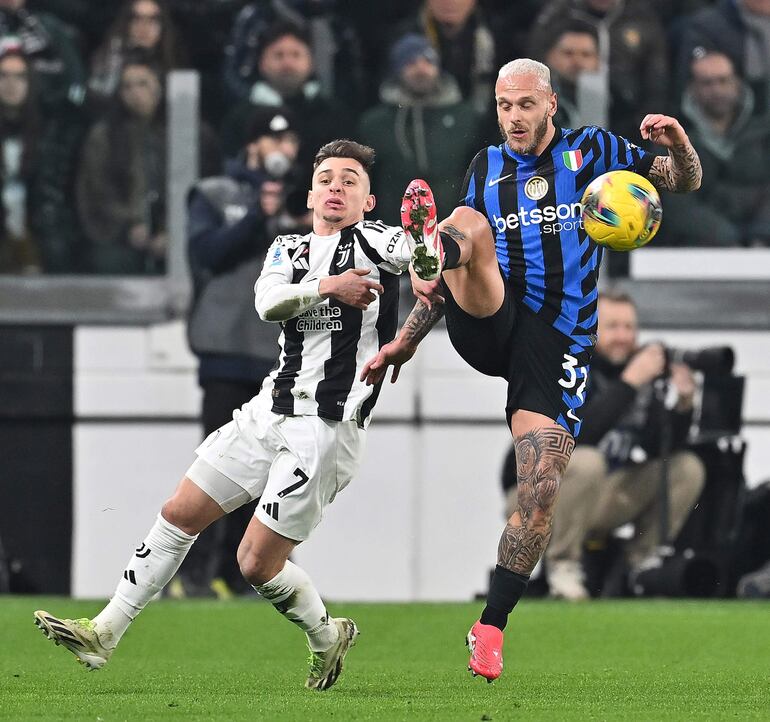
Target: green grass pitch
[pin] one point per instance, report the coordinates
(200, 660)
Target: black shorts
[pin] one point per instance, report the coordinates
(546, 370)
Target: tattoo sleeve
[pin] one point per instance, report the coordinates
(421, 320)
(541, 458)
(680, 171)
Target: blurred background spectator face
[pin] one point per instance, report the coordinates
(14, 81)
(760, 7)
(420, 77)
(145, 25)
(140, 90)
(415, 63)
(286, 64)
(12, 4)
(715, 86)
(452, 13)
(572, 54)
(274, 144)
(617, 330)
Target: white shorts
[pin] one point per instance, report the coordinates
(294, 465)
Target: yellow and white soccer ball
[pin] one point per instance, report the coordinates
(621, 210)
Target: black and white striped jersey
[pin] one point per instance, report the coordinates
(324, 348)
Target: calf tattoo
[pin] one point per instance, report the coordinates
(541, 458)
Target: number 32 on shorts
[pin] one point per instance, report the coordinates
(576, 376)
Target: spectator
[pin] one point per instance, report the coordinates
(233, 218)
(741, 30)
(421, 117)
(733, 205)
(465, 42)
(91, 19)
(575, 50)
(286, 70)
(51, 50)
(37, 226)
(334, 43)
(632, 43)
(121, 184)
(613, 477)
(143, 25)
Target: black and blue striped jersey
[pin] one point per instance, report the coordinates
(533, 207)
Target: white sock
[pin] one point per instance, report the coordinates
(292, 593)
(148, 571)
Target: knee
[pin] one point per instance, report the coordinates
(175, 512)
(689, 473)
(255, 567)
(472, 223)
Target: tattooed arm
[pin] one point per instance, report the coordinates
(396, 353)
(681, 171)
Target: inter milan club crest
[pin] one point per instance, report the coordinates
(573, 159)
(536, 188)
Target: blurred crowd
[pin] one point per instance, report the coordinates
(83, 115)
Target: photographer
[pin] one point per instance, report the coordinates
(233, 218)
(614, 475)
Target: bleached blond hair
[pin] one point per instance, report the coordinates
(527, 66)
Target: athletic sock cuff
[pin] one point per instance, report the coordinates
(506, 589)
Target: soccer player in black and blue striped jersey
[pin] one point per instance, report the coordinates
(519, 290)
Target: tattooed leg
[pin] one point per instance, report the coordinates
(541, 458)
(542, 454)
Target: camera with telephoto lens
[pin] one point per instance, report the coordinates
(714, 359)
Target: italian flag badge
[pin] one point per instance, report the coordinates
(573, 159)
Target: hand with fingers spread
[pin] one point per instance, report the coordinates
(351, 288)
(395, 354)
(663, 130)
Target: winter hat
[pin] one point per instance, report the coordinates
(407, 49)
(270, 120)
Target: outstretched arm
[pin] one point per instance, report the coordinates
(681, 170)
(396, 353)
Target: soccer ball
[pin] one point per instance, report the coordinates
(621, 210)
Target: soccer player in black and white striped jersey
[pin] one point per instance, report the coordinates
(297, 443)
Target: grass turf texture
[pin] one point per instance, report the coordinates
(195, 660)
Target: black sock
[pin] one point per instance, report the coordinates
(451, 251)
(505, 589)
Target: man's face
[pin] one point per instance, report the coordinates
(286, 64)
(524, 112)
(145, 24)
(286, 143)
(340, 192)
(760, 7)
(573, 54)
(451, 12)
(14, 82)
(420, 77)
(715, 86)
(140, 90)
(617, 332)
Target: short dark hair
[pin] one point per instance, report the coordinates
(617, 295)
(572, 25)
(280, 29)
(346, 149)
